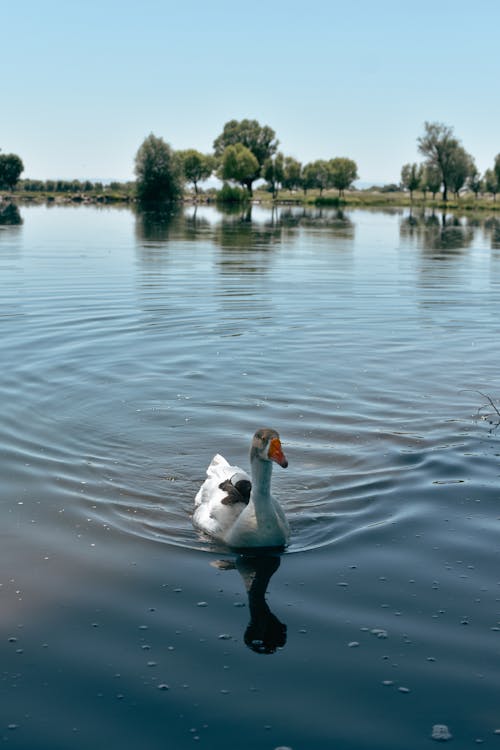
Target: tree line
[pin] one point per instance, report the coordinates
(246, 151)
(447, 166)
(243, 153)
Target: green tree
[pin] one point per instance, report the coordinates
(459, 169)
(491, 183)
(196, 166)
(496, 168)
(317, 175)
(343, 172)
(11, 167)
(431, 179)
(259, 139)
(439, 146)
(308, 178)
(292, 173)
(410, 177)
(158, 171)
(274, 172)
(239, 165)
(474, 181)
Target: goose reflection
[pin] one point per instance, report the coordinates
(265, 632)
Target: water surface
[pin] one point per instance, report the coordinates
(134, 347)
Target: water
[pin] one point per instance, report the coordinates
(133, 349)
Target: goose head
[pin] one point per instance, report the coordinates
(266, 446)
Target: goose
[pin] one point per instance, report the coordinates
(240, 511)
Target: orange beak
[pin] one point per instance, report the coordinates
(275, 453)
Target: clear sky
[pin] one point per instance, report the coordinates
(83, 83)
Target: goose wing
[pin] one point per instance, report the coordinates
(221, 498)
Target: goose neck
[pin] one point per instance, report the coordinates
(261, 478)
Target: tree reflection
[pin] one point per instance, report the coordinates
(443, 233)
(245, 244)
(492, 230)
(195, 224)
(155, 223)
(10, 215)
(243, 234)
(265, 633)
(336, 220)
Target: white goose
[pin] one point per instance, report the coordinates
(238, 511)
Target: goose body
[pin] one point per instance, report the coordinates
(239, 510)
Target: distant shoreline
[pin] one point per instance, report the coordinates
(329, 199)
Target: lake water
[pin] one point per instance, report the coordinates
(133, 348)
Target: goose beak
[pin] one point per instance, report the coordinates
(275, 453)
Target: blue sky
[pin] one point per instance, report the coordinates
(83, 83)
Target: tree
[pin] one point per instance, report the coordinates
(343, 172)
(491, 183)
(460, 167)
(474, 181)
(439, 146)
(196, 166)
(292, 177)
(11, 167)
(260, 140)
(240, 165)
(158, 171)
(496, 168)
(317, 174)
(431, 179)
(274, 172)
(308, 179)
(410, 177)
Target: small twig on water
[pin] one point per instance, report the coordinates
(488, 399)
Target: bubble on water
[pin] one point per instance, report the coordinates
(353, 644)
(225, 637)
(163, 686)
(379, 632)
(403, 689)
(202, 604)
(441, 733)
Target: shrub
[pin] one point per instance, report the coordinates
(230, 194)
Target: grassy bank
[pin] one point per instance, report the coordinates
(351, 199)
(375, 198)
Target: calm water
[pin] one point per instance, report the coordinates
(133, 349)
